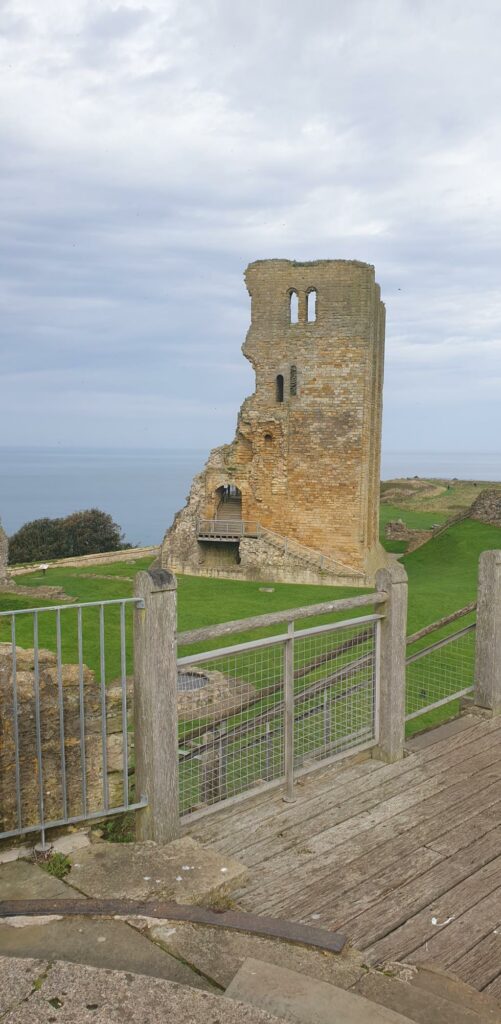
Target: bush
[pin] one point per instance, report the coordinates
(81, 533)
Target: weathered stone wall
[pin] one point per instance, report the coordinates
(487, 507)
(307, 467)
(4, 554)
(50, 739)
(396, 529)
(98, 558)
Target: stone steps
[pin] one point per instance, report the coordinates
(426, 996)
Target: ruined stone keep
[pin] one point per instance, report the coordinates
(295, 496)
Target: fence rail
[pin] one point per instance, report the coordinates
(215, 726)
(63, 713)
(270, 707)
(226, 529)
(442, 671)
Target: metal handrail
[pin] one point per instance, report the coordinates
(227, 527)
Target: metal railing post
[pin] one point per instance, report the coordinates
(488, 641)
(392, 652)
(289, 796)
(155, 706)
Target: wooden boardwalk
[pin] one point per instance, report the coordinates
(405, 859)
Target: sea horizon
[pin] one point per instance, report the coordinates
(143, 488)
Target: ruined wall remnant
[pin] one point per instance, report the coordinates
(50, 736)
(4, 554)
(296, 495)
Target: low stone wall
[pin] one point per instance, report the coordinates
(397, 530)
(50, 739)
(100, 558)
(46, 593)
(487, 507)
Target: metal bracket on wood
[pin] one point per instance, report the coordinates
(236, 920)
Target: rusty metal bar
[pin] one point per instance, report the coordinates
(234, 920)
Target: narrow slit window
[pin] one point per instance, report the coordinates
(311, 306)
(293, 381)
(280, 388)
(293, 307)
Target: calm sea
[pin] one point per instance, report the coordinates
(142, 489)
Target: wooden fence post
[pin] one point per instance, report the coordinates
(155, 706)
(393, 627)
(488, 639)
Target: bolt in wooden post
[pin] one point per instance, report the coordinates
(155, 706)
(488, 640)
(392, 652)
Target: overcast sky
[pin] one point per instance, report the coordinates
(152, 149)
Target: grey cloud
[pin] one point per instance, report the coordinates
(152, 151)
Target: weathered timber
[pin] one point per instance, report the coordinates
(481, 964)
(332, 824)
(393, 581)
(155, 706)
(195, 636)
(406, 900)
(440, 623)
(488, 645)
(370, 853)
(401, 942)
(332, 942)
(463, 932)
(371, 780)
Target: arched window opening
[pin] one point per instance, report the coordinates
(311, 306)
(229, 492)
(280, 388)
(268, 438)
(293, 381)
(293, 307)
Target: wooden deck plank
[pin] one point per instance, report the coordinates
(322, 829)
(463, 933)
(310, 818)
(267, 811)
(482, 964)
(385, 852)
(439, 820)
(303, 899)
(290, 875)
(404, 901)
(493, 989)
(417, 929)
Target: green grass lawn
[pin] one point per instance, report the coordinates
(442, 577)
(413, 518)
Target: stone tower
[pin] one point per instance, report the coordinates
(296, 495)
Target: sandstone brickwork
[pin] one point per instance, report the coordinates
(4, 554)
(303, 471)
(51, 739)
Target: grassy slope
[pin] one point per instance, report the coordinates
(415, 519)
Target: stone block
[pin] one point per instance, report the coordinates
(182, 871)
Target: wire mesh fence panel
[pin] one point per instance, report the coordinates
(230, 710)
(334, 691)
(441, 672)
(64, 714)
